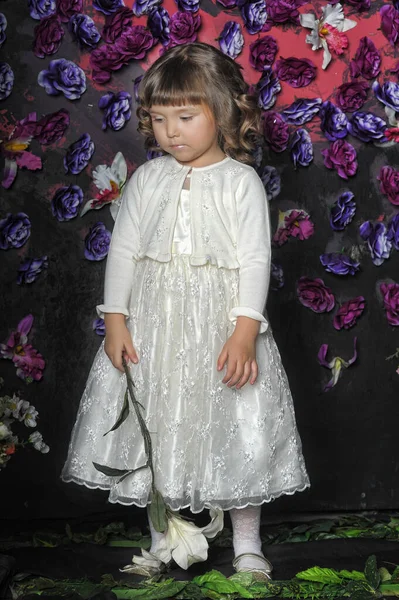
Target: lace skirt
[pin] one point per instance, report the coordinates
(213, 446)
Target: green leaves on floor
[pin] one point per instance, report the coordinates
(313, 583)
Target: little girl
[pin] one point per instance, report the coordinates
(185, 288)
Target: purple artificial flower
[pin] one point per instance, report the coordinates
(145, 7)
(231, 40)
(184, 27)
(29, 362)
(118, 109)
(153, 154)
(336, 364)
(302, 110)
(367, 60)
(393, 231)
(339, 264)
(367, 127)
(40, 9)
(388, 94)
(6, 80)
(389, 184)
(348, 313)
(116, 23)
(30, 268)
(66, 202)
(67, 8)
(79, 154)
(351, 96)
(276, 131)
(378, 243)
(267, 89)
(341, 156)
(48, 36)
(14, 231)
(293, 223)
(85, 31)
(262, 52)
(272, 182)
(97, 242)
(342, 211)
(99, 326)
(283, 11)
(107, 7)
(276, 277)
(158, 23)
(301, 148)
(390, 296)
(3, 27)
(254, 15)
(334, 123)
(314, 294)
(390, 23)
(63, 76)
(52, 127)
(188, 5)
(297, 72)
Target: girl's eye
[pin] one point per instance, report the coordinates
(157, 119)
(186, 118)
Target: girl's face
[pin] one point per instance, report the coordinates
(188, 133)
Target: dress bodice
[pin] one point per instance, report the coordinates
(182, 232)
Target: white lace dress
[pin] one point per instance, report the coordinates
(213, 446)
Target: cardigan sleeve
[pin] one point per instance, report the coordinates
(253, 249)
(124, 247)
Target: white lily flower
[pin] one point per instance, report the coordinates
(110, 182)
(328, 29)
(183, 542)
(30, 417)
(4, 431)
(36, 439)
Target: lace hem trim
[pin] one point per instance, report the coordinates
(204, 505)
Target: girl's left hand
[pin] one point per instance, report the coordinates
(239, 353)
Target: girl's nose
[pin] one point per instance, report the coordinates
(172, 128)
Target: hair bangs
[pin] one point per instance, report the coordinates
(175, 86)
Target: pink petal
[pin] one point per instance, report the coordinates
(322, 356)
(10, 173)
(25, 325)
(29, 161)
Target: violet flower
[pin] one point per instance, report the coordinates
(302, 110)
(393, 231)
(40, 9)
(341, 156)
(283, 11)
(51, 128)
(84, 30)
(231, 40)
(276, 277)
(314, 294)
(339, 264)
(97, 242)
(99, 326)
(336, 364)
(158, 23)
(390, 23)
(367, 60)
(348, 313)
(367, 127)
(3, 27)
(79, 155)
(67, 8)
(334, 123)
(342, 211)
(272, 182)
(301, 148)
(276, 131)
(66, 202)
(297, 72)
(389, 184)
(145, 7)
(293, 223)
(262, 52)
(267, 89)
(116, 24)
(117, 110)
(30, 268)
(30, 364)
(184, 27)
(14, 231)
(254, 15)
(6, 80)
(388, 94)
(48, 36)
(351, 96)
(108, 7)
(63, 76)
(390, 297)
(378, 241)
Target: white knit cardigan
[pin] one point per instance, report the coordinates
(229, 228)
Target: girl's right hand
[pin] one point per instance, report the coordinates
(118, 341)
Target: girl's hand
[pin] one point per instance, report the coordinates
(118, 341)
(239, 353)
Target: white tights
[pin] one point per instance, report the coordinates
(246, 534)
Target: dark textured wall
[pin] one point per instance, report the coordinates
(349, 433)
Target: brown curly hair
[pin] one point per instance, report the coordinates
(198, 73)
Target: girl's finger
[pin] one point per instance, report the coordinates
(222, 359)
(231, 369)
(246, 375)
(238, 373)
(254, 371)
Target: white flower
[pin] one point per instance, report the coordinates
(183, 541)
(29, 417)
(36, 439)
(332, 17)
(4, 431)
(110, 182)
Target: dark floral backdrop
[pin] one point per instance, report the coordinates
(326, 76)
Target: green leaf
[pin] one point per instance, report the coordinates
(371, 572)
(320, 575)
(111, 472)
(353, 575)
(389, 589)
(216, 581)
(167, 589)
(395, 574)
(384, 574)
(157, 512)
(322, 527)
(123, 414)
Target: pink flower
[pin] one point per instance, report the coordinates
(29, 362)
(392, 134)
(15, 150)
(341, 156)
(336, 40)
(348, 313)
(389, 184)
(390, 23)
(390, 296)
(314, 294)
(294, 223)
